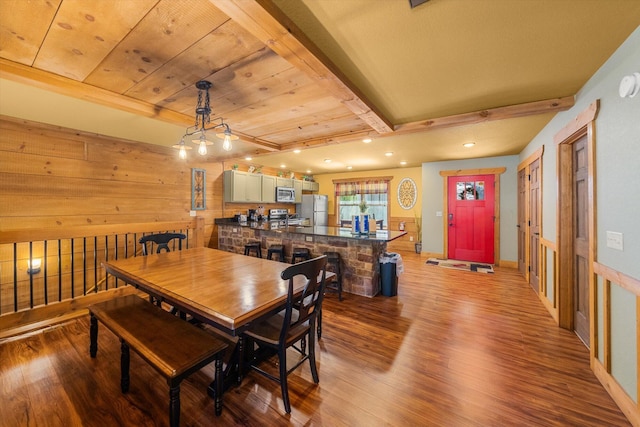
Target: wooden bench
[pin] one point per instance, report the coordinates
(174, 347)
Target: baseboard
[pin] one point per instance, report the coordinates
(508, 264)
(617, 393)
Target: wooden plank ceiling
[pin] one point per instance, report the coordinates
(275, 88)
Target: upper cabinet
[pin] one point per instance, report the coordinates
(297, 186)
(310, 186)
(268, 189)
(284, 182)
(242, 186)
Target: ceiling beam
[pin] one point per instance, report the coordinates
(267, 23)
(499, 113)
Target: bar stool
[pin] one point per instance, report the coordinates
(253, 246)
(301, 253)
(276, 249)
(334, 264)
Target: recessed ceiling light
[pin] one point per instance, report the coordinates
(327, 160)
(308, 170)
(296, 151)
(349, 167)
(468, 144)
(367, 140)
(389, 153)
(283, 166)
(403, 163)
(248, 158)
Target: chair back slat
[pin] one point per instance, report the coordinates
(309, 302)
(162, 241)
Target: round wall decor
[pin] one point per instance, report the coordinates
(407, 193)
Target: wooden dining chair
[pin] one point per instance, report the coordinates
(161, 240)
(293, 325)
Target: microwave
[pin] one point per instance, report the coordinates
(285, 195)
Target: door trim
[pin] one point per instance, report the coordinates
(496, 172)
(526, 164)
(583, 124)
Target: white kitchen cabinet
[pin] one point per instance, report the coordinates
(268, 189)
(242, 186)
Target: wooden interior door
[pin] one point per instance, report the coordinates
(581, 240)
(522, 222)
(534, 225)
(471, 204)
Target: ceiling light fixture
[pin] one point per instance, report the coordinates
(367, 140)
(468, 144)
(183, 148)
(203, 124)
(403, 163)
(327, 160)
(389, 153)
(296, 151)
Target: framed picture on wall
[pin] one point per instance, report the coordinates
(198, 189)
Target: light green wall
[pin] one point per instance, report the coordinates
(617, 186)
(432, 201)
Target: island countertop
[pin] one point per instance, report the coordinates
(325, 231)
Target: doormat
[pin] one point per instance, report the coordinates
(461, 265)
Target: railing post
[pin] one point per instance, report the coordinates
(198, 232)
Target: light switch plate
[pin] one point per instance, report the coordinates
(308, 238)
(192, 213)
(438, 213)
(614, 240)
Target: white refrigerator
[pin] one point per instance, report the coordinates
(314, 207)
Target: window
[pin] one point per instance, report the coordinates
(372, 194)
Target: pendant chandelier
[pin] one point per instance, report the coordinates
(203, 124)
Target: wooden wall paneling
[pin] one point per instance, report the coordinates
(602, 369)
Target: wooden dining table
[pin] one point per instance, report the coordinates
(225, 290)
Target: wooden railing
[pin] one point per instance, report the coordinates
(70, 265)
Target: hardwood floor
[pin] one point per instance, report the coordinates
(452, 349)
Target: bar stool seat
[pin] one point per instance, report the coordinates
(253, 247)
(276, 249)
(301, 254)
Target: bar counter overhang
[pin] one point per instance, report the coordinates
(360, 252)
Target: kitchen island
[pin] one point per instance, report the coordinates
(360, 252)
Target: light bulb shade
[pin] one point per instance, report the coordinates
(183, 153)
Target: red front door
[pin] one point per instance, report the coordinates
(471, 206)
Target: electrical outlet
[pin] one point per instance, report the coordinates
(411, 238)
(192, 213)
(308, 238)
(235, 230)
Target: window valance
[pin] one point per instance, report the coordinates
(350, 188)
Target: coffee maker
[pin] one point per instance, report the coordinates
(252, 214)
